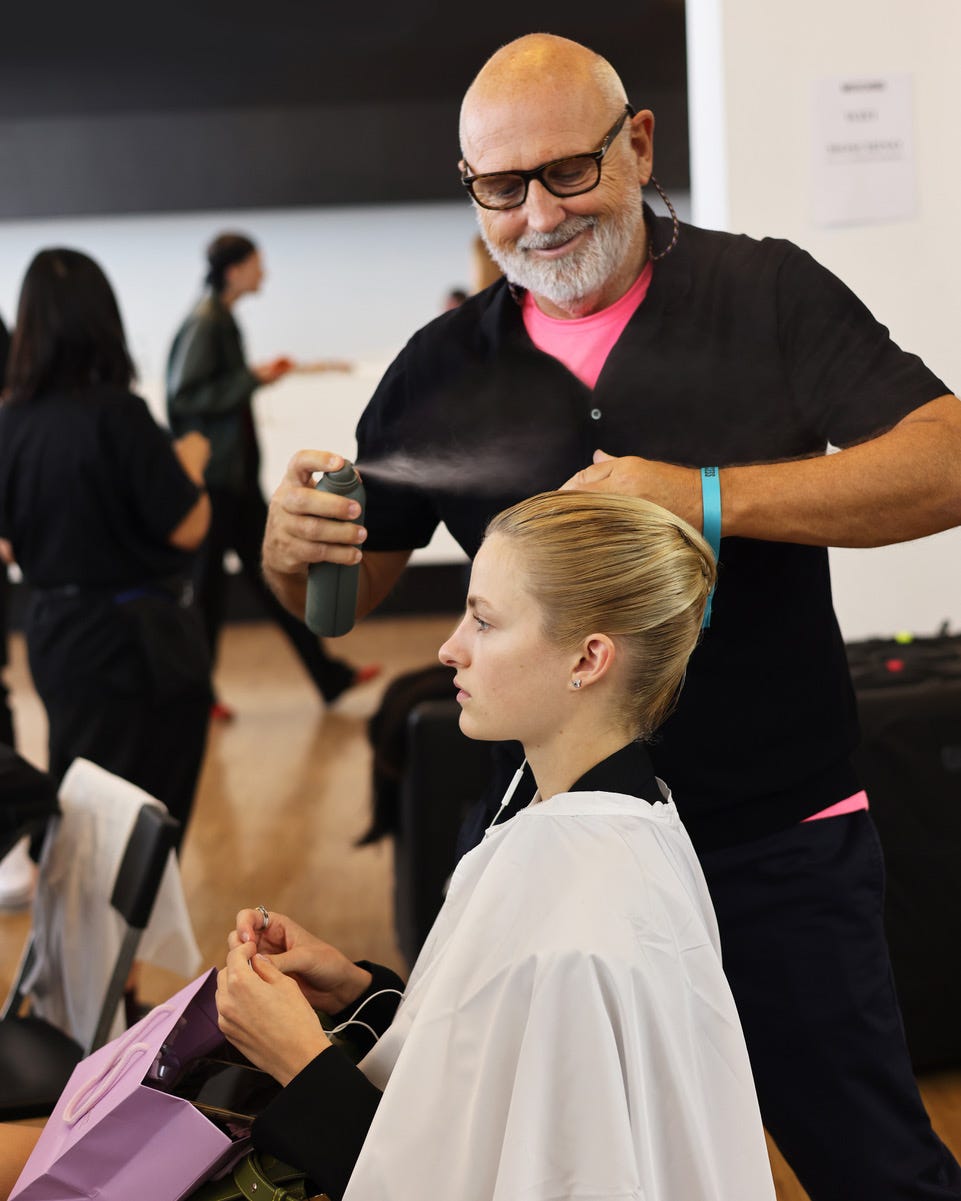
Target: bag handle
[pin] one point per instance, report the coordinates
(127, 1048)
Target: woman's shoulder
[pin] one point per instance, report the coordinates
(103, 402)
(56, 403)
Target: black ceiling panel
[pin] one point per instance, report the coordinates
(112, 108)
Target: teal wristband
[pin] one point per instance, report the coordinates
(711, 521)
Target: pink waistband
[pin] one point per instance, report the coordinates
(850, 804)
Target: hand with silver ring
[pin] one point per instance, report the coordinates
(327, 978)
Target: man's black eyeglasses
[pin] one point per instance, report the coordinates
(562, 176)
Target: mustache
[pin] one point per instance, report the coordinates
(547, 240)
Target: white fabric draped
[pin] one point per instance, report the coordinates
(568, 1032)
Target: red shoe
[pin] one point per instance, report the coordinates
(221, 712)
(363, 674)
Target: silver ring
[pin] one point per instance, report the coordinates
(264, 914)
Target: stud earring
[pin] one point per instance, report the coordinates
(575, 683)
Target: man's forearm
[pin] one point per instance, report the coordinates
(900, 485)
(904, 484)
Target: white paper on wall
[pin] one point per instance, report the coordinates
(864, 168)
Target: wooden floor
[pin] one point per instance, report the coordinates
(284, 795)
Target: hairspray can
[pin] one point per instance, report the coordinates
(332, 587)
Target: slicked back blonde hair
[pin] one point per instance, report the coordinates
(598, 563)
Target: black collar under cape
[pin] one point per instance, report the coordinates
(627, 771)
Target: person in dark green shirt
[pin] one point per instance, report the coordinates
(210, 387)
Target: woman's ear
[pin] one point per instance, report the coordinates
(597, 655)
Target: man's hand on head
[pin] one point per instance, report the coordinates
(676, 488)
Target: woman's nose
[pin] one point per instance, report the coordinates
(452, 654)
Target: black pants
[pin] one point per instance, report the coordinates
(126, 686)
(237, 523)
(800, 915)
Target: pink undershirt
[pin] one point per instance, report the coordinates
(582, 344)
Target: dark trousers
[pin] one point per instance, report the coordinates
(158, 747)
(800, 915)
(237, 523)
(125, 685)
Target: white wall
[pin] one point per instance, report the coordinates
(342, 283)
(752, 67)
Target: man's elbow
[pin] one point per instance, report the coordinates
(950, 508)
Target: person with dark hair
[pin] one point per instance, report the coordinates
(454, 299)
(210, 387)
(102, 513)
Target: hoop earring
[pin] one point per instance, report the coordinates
(670, 208)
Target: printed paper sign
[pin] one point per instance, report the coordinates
(864, 167)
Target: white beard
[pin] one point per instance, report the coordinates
(579, 274)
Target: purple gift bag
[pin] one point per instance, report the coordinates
(114, 1137)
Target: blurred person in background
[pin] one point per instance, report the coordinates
(454, 298)
(210, 388)
(101, 513)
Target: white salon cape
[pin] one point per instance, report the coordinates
(567, 1033)
(78, 933)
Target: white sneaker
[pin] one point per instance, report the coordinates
(18, 877)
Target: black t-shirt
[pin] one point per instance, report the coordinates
(742, 352)
(90, 490)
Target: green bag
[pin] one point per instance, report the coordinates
(258, 1178)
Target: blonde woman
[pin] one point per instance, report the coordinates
(567, 1030)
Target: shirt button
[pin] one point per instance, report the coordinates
(596, 414)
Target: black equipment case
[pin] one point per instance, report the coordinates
(909, 701)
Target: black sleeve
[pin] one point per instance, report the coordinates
(848, 378)
(393, 456)
(319, 1122)
(159, 492)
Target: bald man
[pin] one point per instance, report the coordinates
(630, 353)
